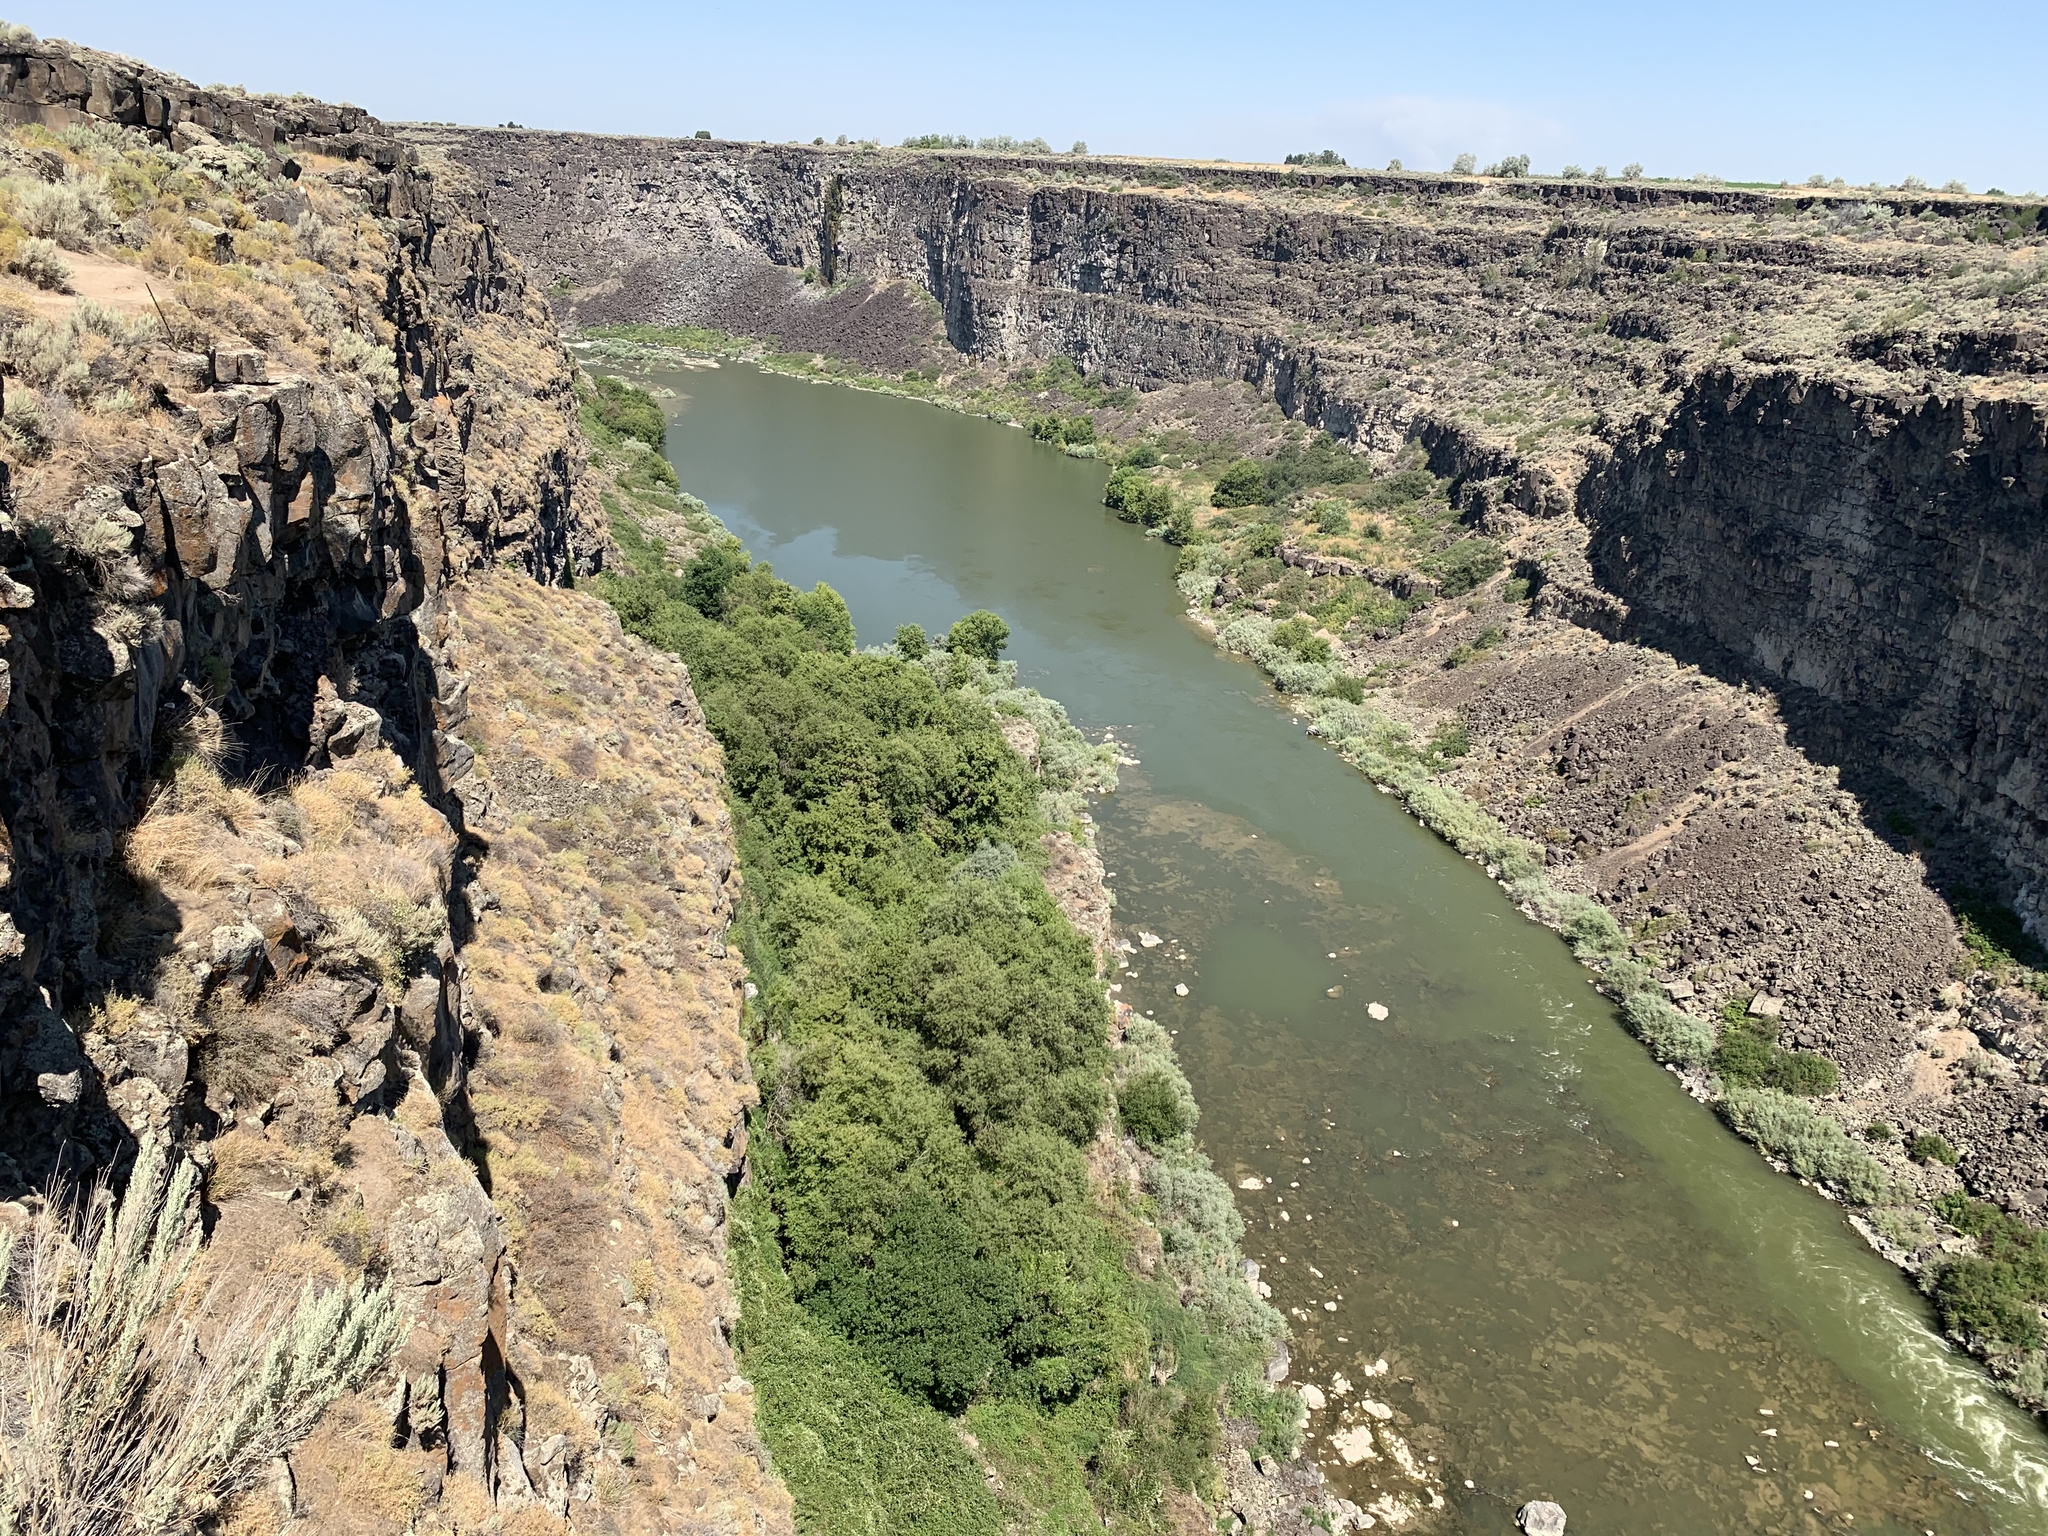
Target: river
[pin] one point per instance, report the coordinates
(1584, 1288)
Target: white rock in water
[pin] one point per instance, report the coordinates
(1265, 1291)
(1312, 1395)
(1254, 1182)
(1379, 1411)
(1377, 1010)
(1150, 940)
(1329, 1306)
(1339, 1384)
(1180, 989)
(1540, 1517)
(1378, 1367)
(1354, 1445)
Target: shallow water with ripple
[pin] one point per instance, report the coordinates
(1583, 1287)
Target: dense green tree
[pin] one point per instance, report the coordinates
(922, 1236)
(709, 574)
(1150, 1109)
(1242, 484)
(981, 634)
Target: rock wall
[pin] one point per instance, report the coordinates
(267, 808)
(1878, 560)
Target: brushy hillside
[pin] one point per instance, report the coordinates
(942, 1313)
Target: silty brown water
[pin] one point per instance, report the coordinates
(1583, 1287)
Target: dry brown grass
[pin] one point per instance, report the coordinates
(382, 1483)
(184, 848)
(245, 1160)
(246, 1051)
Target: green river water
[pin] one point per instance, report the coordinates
(1585, 1289)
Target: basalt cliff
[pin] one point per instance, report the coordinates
(346, 849)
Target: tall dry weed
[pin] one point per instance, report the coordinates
(116, 1417)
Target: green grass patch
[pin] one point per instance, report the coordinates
(1749, 1056)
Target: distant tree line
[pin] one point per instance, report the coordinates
(1000, 143)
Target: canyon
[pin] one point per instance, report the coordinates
(352, 849)
(1787, 433)
(1789, 443)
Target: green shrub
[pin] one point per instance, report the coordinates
(1243, 484)
(1997, 1292)
(1318, 459)
(1451, 739)
(925, 1304)
(1262, 539)
(1067, 430)
(1878, 1131)
(707, 577)
(625, 410)
(1748, 1056)
(1813, 1145)
(1320, 157)
(1932, 1147)
(1487, 639)
(1805, 1075)
(1332, 518)
(1137, 498)
(1670, 1034)
(911, 642)
(1139, 456)
(1344, 686)
(856, 1453)
(1279, 1416)
(1469, 829)
(1463, 566)
(1150, 1109)
(1298, 635)
(1745, 1057)
(1400, 490)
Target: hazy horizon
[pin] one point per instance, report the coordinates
(1764, 94)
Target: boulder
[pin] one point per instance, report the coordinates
(1276, 1368)
(1354, 1445)
(1540, 1517)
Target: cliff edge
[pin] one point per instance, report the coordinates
(344, 851)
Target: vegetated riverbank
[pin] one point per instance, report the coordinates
(964, 1304)
(1788, 963)
(1776, 929)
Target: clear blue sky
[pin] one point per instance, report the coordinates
(1873, 91)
